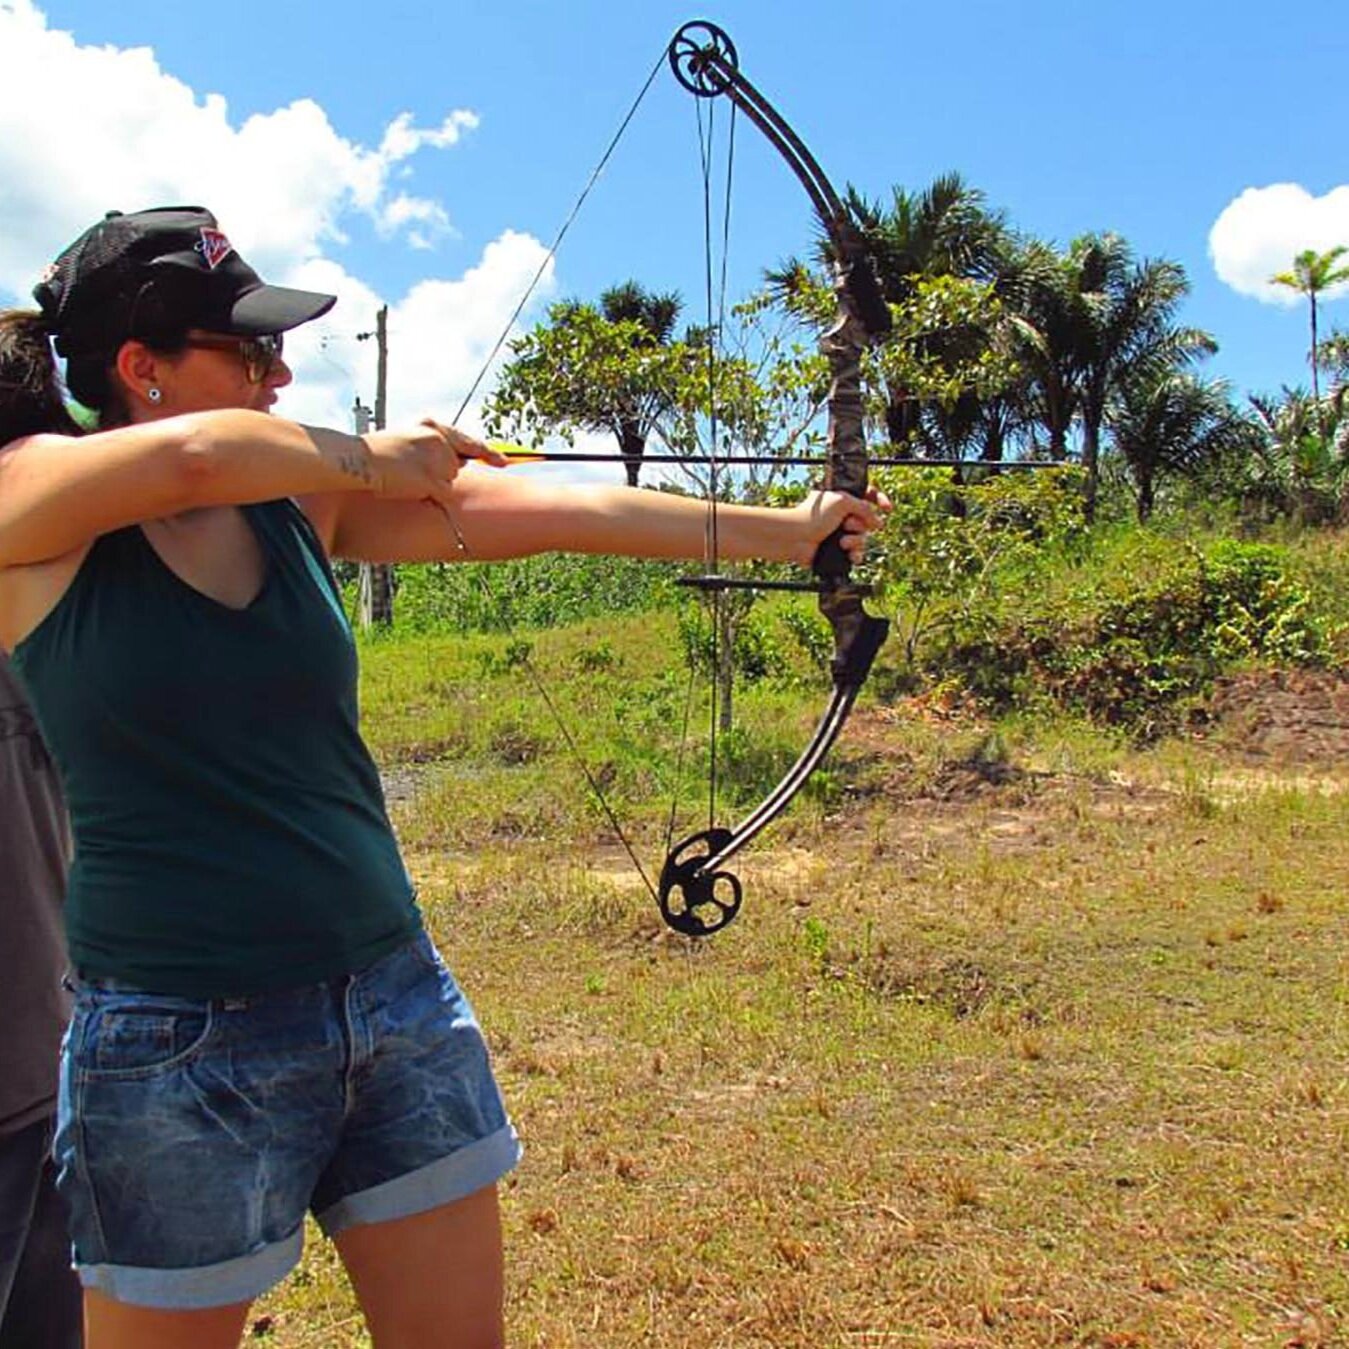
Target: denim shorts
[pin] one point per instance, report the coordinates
(194, 1135)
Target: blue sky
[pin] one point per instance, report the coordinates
(1145, 118)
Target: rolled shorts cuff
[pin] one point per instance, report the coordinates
(462, 1173)
(239, 1280)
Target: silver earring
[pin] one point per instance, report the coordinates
(153, 394)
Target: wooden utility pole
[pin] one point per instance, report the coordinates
(376, 578)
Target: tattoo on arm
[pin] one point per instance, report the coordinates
(350, 455)
(354, 460)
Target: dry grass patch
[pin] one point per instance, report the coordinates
(1043, 1063)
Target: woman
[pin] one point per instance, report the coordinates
(261, 1024)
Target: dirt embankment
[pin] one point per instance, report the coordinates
(1281, 718)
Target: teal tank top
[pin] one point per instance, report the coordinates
(229, 824)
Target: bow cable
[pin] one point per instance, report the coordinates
(716, 327)
(716, 318)
(572, 748)
(557, 242)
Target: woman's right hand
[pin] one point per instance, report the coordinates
(421, 462)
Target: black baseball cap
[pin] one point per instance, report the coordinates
(154, 274)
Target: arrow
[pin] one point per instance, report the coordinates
(523, 454)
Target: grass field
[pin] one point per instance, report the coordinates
(1021, 1039)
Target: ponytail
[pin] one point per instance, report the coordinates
(31, 396)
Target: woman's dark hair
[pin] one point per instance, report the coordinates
(92, 383)
(31, 396)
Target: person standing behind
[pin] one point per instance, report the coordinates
(39, 1291)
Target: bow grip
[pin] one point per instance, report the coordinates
(830, 563)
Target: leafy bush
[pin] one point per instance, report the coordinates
(548, 591)
(951, 550)
(1127, 644)
(771, 638)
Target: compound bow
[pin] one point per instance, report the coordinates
(696, 894)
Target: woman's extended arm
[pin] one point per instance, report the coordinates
(492, 515)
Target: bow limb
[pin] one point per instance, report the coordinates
(697, 895)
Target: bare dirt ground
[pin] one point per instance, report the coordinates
(1284, 719)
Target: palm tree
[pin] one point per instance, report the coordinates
(1174, 423)
(945, 229)
(1043, 292)
(1090, 321)
(1301, 463)
(1313, 273)
(656, 315)
(1125, 331)
(1333, 355)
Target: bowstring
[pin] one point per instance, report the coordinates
(721, 327)
(716, 327)
(462, 544)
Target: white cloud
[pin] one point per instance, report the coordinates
(402, 139)
(442, 332)
(1265, 228)
(286, 186)
(421, 221)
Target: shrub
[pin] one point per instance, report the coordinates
(1128, 644)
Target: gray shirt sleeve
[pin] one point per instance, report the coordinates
(34, 851)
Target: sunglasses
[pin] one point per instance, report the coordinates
(259, 354)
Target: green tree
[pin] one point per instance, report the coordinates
(1333, 355)
(1042, 290)
(1312, 274)
(1090, 322)
(613, 367)
(943, 232)
(1299, 466)
(656, 316)
(1127, 332)
(934, 252)
(1174, 423)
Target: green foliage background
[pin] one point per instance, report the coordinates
(999, 595)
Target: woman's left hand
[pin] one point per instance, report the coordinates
(821, 513)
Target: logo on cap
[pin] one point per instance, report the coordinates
(214, 247)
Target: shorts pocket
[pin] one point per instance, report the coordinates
(423, 951)
(126, 1038)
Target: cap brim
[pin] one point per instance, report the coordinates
(276, 309)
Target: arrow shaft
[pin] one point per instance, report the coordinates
(526, 456)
